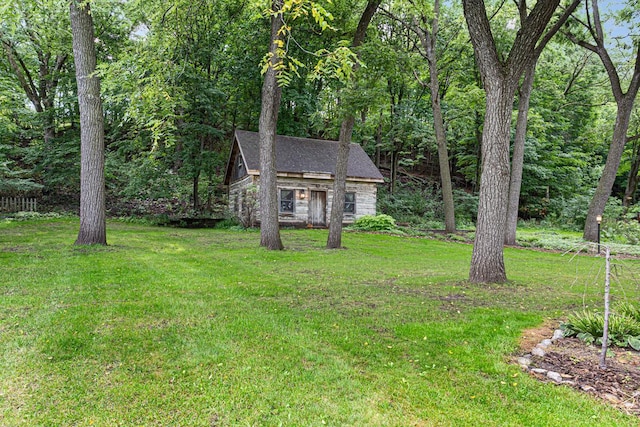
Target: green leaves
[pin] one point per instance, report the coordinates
(624, 326)
(337, 64)
(284, 64)
(634, 343)
(375, 223)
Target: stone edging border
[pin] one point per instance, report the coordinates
(540, 350)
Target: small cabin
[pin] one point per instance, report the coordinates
(305, 175)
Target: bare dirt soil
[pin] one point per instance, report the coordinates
(578, 363)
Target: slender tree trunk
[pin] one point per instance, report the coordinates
(429, 42)
(624, 103)
(605, 184)
(443, 159)
(271, 94)
(632, 180)
(334, 240)
(428, 38)
(196, 195)
(92, 186)
(394, 169)
(517, 161)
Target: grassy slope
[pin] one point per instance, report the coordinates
(202, 327)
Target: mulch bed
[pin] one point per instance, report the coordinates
(578, 363)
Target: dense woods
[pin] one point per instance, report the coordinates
(417, 93)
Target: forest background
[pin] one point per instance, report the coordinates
(178, 78)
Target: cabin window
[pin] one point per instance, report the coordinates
(350, 203)
(239, 170)
(286, 201)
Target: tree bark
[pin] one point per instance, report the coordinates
(271, 94)
(632, 180)
(487, 263)
(500, 80)
(334, 240)
(92, 183)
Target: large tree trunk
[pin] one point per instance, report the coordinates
(92, 187)
(271, 94)
(487, 262)
(334, 241)
(517, 159)
(500, 80)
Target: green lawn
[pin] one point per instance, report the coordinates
(176, 327)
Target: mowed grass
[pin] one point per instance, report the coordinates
(176, 327)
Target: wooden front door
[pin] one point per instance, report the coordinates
(318, 208)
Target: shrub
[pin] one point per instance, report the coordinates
(229, 224)
(380, 222)
(621, 231)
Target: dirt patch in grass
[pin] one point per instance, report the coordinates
(578, 363)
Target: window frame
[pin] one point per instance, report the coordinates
(353, 203)
(292, 201)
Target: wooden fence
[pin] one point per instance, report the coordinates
(18, 204)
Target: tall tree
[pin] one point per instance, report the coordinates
(93, 229)
(429, 42)
(500, 78)
(334, 241)
(524, 96)
(624, 103)
(271, 94)
(424, 21)
(37, 53)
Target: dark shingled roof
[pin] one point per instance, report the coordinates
(304, 155)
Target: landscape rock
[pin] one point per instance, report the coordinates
(557, 334)
(524, 361)
(537, 351)
(554, 376)
(611, 398)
